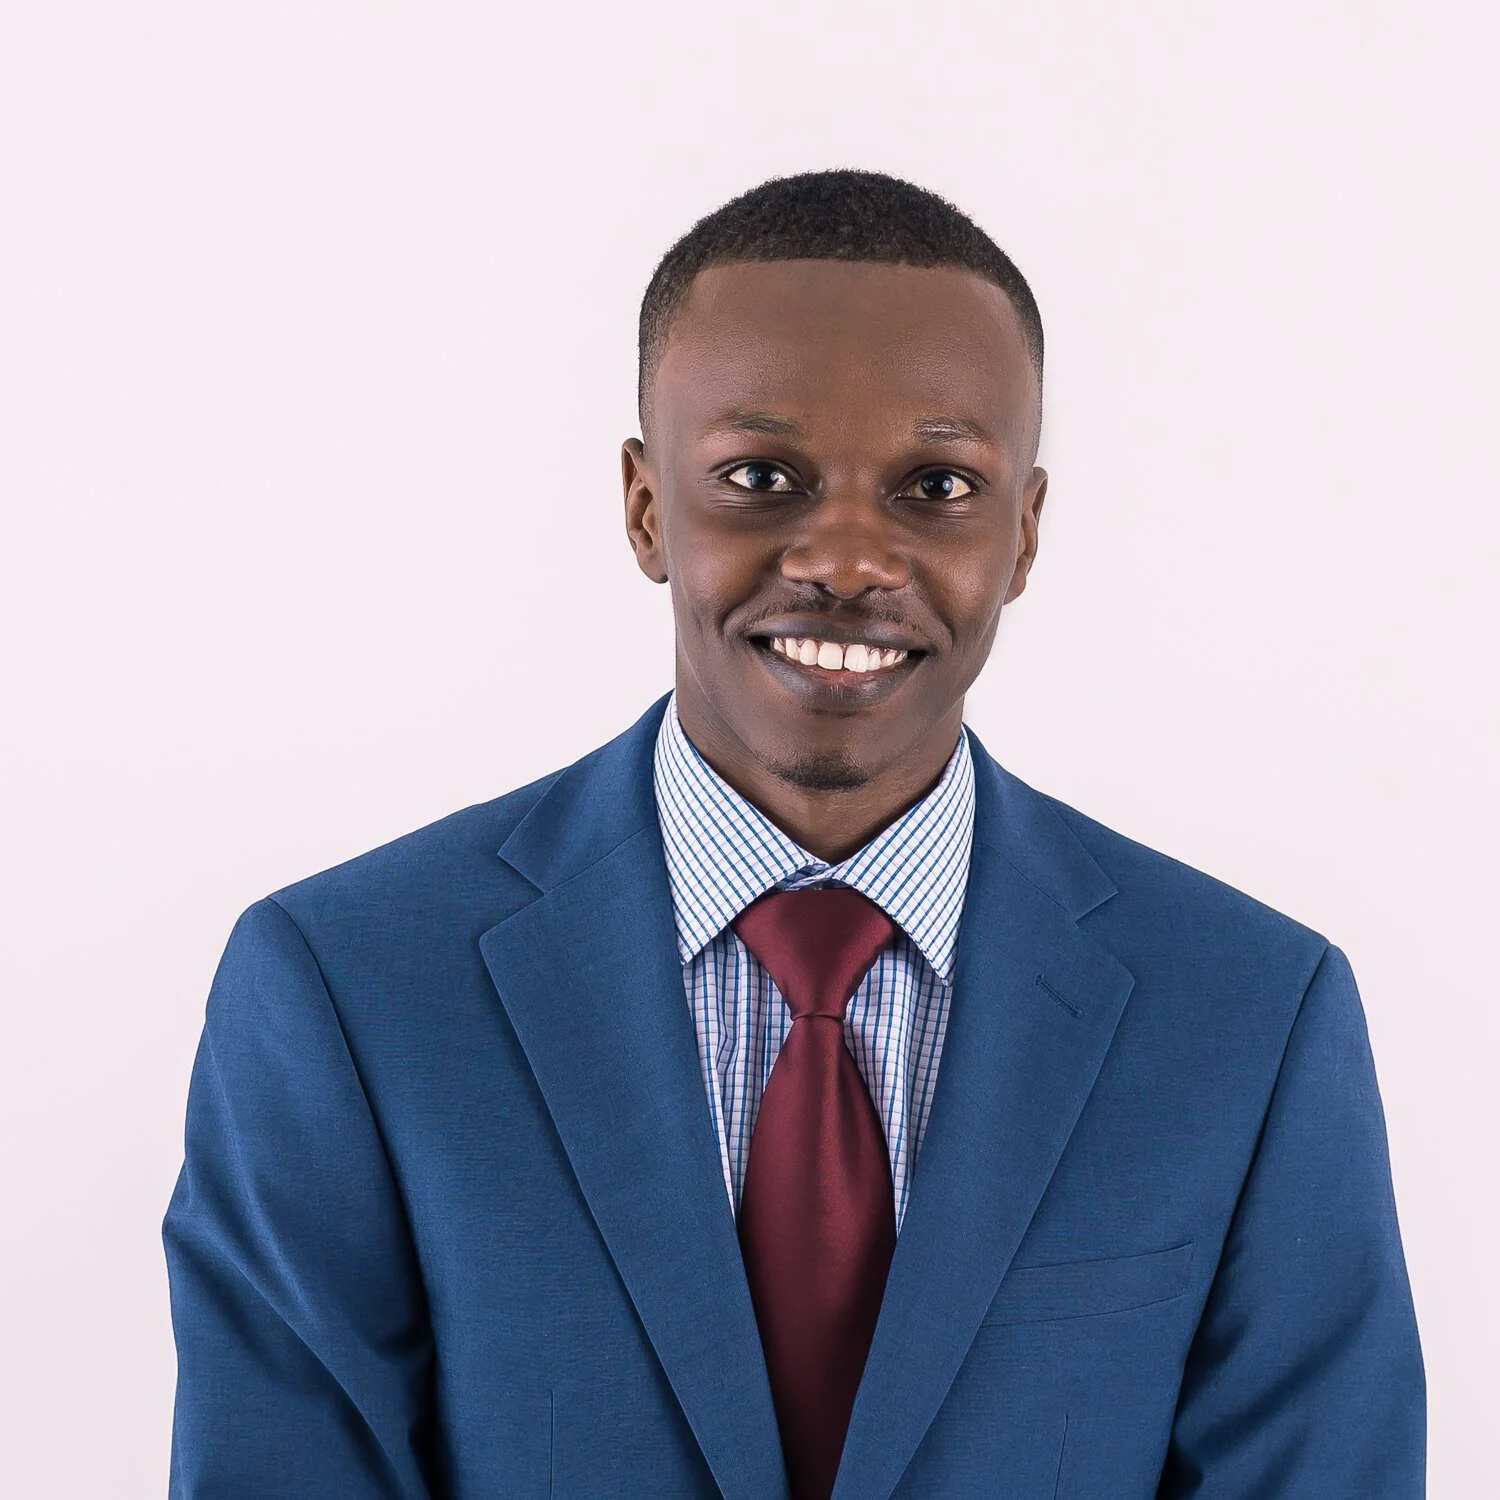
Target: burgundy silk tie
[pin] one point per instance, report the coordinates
(817, 1220)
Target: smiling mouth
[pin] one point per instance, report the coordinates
(851, 666)
(835, 656)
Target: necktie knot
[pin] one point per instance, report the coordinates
(816, 944)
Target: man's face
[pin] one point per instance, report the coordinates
(837, 452)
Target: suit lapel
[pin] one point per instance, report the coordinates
(590, 977)
(1035, 1004)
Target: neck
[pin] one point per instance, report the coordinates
(830, 823)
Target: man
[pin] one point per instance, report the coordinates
(785, 1100)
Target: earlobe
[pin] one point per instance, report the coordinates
(641, 526)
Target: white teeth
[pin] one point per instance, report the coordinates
(833, 657)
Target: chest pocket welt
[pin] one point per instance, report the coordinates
(1084, 1288)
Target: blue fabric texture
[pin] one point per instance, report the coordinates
(452, 1220)
(722, 853)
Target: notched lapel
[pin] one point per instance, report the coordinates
(1035, 1005)
(590, 977)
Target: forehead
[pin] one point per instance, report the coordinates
(818, 337)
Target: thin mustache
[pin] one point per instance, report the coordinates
(850, 618)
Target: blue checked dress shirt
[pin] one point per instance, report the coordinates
(722, 853)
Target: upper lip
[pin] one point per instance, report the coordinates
(804, 628)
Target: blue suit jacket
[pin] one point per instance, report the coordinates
(451, 1221)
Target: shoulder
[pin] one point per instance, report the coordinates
(1171, 914)
(1218, 976)
(430, 874)
(434, 890)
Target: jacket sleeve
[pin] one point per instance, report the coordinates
(1305, 1379)
(304, 1351)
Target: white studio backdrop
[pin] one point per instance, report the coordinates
(316, 350)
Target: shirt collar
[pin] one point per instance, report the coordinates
(722, 852)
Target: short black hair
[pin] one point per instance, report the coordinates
(841, 214)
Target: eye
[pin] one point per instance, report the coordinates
(941, 484)
(763, 478)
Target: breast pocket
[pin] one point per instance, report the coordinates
(1086, 1288)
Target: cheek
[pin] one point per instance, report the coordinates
(711, 573)
(706, 589)
(969, 590)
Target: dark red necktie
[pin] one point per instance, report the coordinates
(817, 1220)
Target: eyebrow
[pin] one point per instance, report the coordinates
(767, 424)
(762, 422)
(951, 430)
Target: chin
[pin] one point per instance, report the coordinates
(820, 771)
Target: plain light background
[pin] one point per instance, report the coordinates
(316, 350)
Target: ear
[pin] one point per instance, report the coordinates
(1031, 512)
(642, 514)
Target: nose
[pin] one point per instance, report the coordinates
(847, 544)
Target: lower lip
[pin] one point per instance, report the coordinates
(837, 688)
